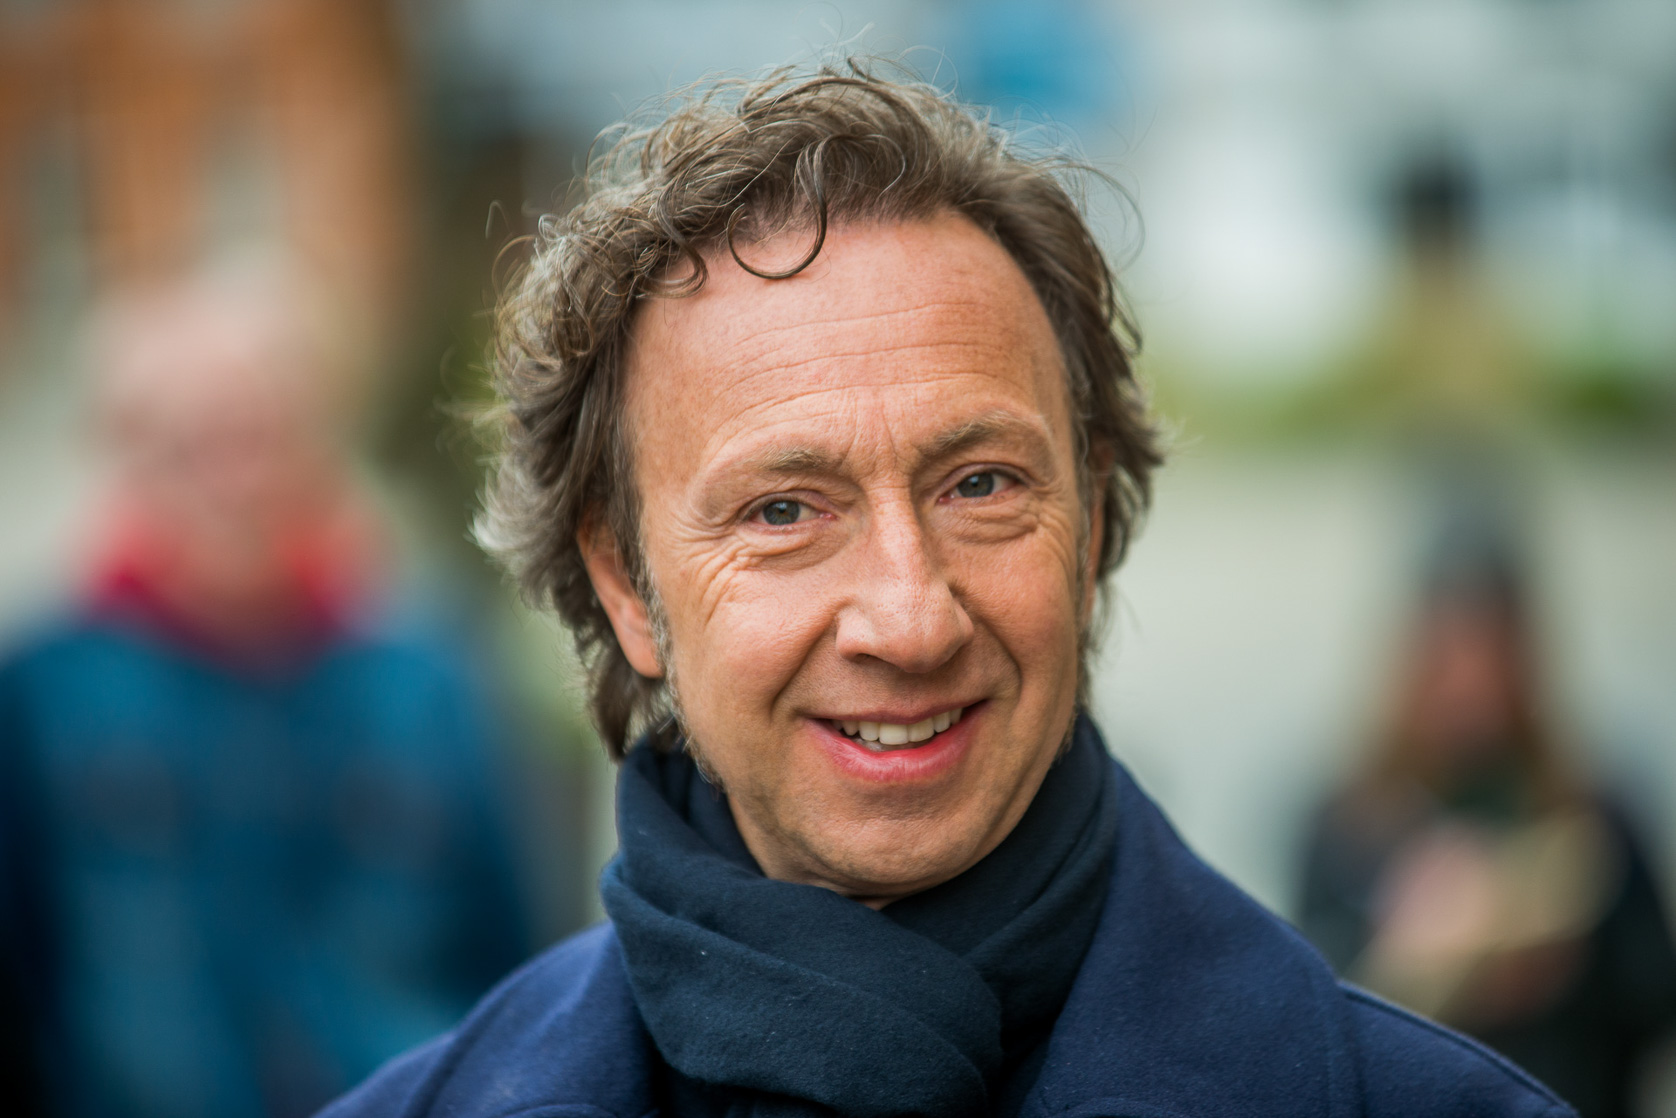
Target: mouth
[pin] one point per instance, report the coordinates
(886, 737)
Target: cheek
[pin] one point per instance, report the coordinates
(1031, 581)
(1026, 596)
(741, 636)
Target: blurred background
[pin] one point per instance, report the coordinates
(1396, 650)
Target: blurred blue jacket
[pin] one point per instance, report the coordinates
(1193, 1000)
(235, 892)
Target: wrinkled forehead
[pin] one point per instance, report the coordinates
(889, 318)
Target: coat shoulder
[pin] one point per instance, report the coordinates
(1195, 999)
(559, 1037)
(1411, 1066)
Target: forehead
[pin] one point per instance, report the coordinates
(891, 321)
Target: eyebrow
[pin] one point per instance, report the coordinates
(812, 460)
(980, 429)
(794, 460)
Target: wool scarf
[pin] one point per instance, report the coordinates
(773, 998)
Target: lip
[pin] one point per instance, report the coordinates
(916, 765)
(897, 717)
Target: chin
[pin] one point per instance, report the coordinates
(894, 860)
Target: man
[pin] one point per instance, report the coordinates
(821, 437)
(247, 845)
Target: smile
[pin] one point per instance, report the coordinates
(880, 737)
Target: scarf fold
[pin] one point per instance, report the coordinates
(795, 1000)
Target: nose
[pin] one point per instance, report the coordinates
(902, 610)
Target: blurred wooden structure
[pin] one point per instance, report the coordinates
(171, 105)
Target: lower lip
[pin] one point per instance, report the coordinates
(910, 765)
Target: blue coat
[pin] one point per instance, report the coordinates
(1192, 1001)
(236, 893)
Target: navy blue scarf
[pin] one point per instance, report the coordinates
(766, 997)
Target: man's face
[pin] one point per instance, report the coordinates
(860, 511)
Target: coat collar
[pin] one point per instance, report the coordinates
(1193, 1000)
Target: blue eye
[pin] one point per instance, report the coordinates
(782, 512)
(977, 485)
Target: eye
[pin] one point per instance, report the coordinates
(782, 512)
(982, 484)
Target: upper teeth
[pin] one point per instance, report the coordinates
(882, 735)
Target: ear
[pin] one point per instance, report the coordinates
(629, 619)
(1091, 567)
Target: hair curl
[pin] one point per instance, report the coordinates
(746, 158)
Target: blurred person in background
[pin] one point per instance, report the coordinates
(1470, 874)
(249, 824)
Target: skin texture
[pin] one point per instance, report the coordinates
(908, 359)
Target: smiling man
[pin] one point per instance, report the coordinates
(821, 436)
